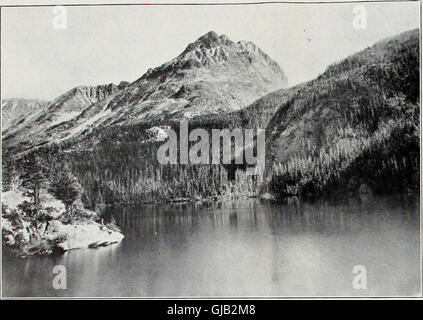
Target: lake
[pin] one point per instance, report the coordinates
(241, 248)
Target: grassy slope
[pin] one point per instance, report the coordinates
(356, 123)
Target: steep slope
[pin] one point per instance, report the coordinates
(15, 110)
(357, 123)
(47, 124)
(256, 115)
(212, 75)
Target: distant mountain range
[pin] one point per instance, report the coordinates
(16, 111)
(212, 75)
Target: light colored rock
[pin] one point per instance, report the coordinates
(80, 236)
(13, 198)
(6, 225)
(56, 206)
(9, 239)
(54, 226)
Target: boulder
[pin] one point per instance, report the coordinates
(91, 235)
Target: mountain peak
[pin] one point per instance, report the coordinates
(213, 36)
(212, 75)
(209, 40)
(210, 34)
(188, 85)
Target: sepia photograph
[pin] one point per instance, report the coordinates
(202, 150)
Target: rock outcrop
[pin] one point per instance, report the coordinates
(46, 233)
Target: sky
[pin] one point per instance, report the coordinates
(104, 44)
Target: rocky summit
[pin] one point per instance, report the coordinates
(213, 75)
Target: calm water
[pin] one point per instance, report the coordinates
(240, 248)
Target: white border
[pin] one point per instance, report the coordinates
(26, 3)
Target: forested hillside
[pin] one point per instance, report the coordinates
(357, 123)
(122, 166)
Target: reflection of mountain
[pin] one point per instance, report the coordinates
(265, 217)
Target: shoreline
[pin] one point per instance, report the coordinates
(50, 229)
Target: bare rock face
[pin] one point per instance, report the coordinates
(212, 75)
(13, 111)
(37, 125)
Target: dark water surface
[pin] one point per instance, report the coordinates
(240, 248)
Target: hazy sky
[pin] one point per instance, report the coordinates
(111, 44)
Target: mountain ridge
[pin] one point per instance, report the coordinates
(212, 75)
(15, 110)
(357, 123)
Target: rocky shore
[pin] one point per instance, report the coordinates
(51, 231)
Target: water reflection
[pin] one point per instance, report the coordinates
(241, 248)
